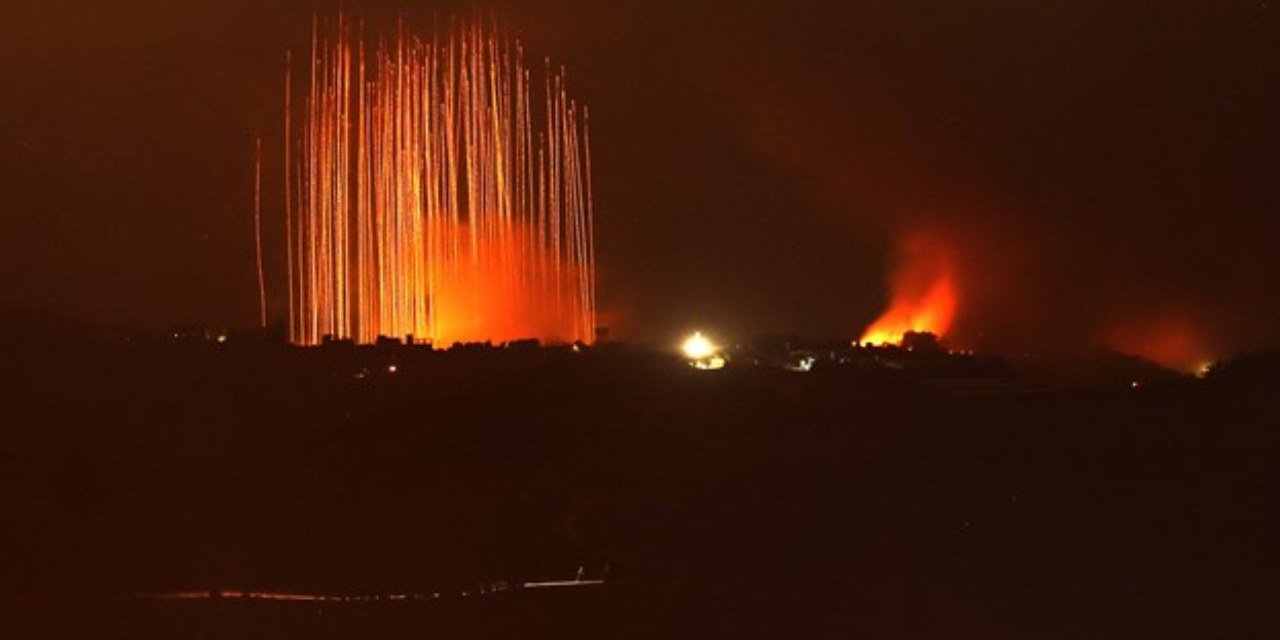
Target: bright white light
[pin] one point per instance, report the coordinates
(714, 363)
(804, 365)
(698, 347)
(392, 369)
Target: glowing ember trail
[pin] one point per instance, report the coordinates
(436, 193)
(257, 234)
(923, 295)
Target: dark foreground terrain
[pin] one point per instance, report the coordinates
(750, 503)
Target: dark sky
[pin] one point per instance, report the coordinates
(1099, 169)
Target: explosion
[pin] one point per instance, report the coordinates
(923, 294)
(435, 192)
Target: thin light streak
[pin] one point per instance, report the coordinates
(257, 232)
(288, 188)
(562, 584)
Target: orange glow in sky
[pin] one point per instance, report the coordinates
(1175, 343)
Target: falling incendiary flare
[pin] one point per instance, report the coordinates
(257, 233)
(436, 192)
(922, 296)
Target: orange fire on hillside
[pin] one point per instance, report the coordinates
(923, 294)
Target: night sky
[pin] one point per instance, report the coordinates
(1102, 173)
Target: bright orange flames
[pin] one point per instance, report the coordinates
(924, 294)
(516, 291)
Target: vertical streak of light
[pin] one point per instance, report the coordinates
(291, 331)
(591, 231)
(257, 232)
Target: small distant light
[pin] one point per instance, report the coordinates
(1135, 385)
(392, 369)
(222, 339)
(804, 365)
